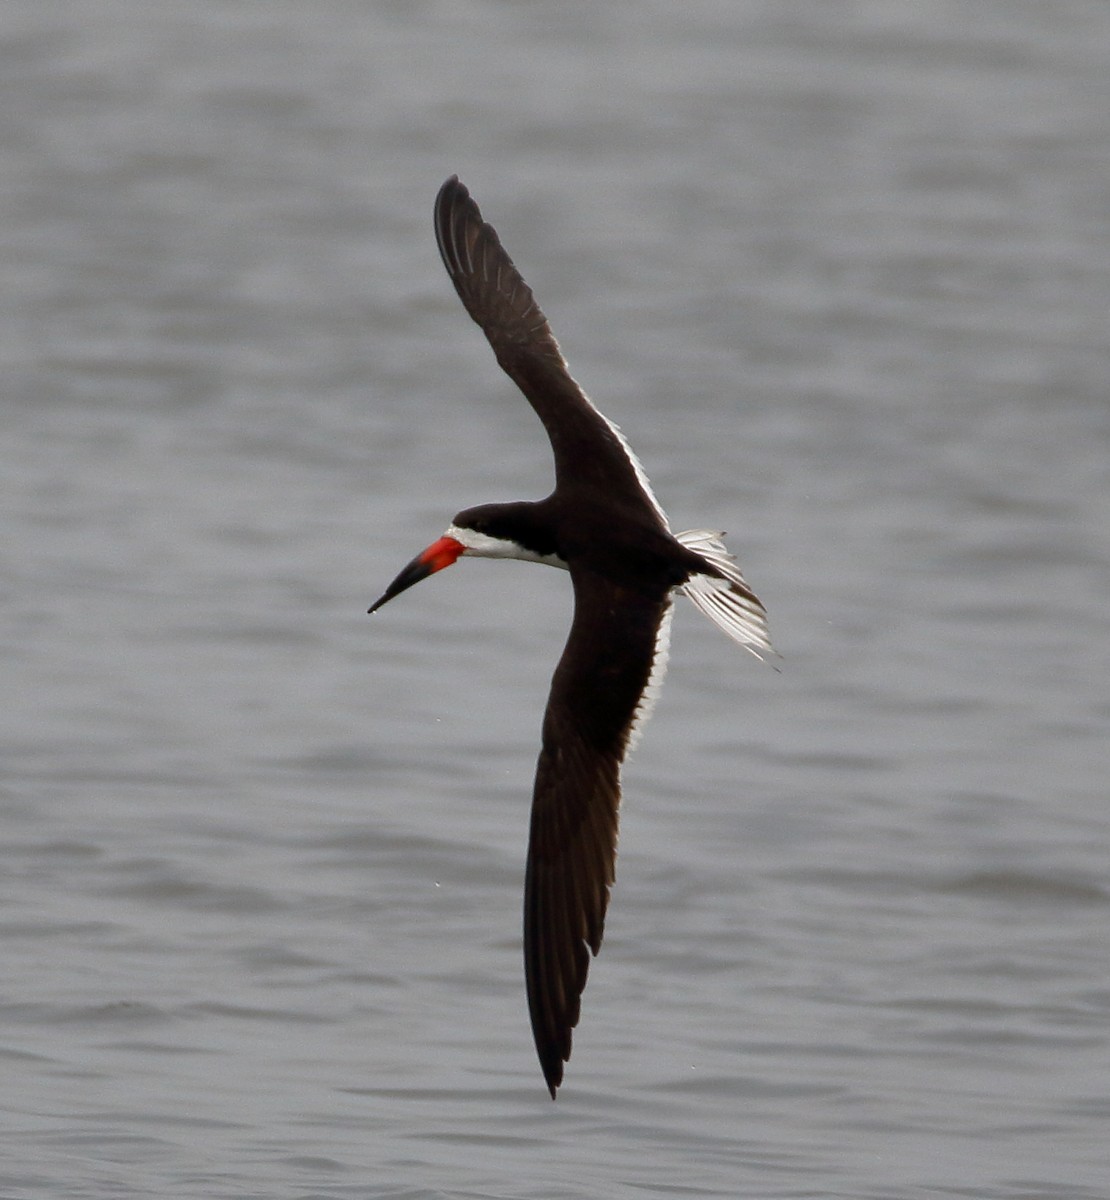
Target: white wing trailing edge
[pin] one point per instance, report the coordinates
(655, 680)
(729, 602)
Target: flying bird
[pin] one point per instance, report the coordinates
(603, 524)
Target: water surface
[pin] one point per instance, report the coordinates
(842, 274)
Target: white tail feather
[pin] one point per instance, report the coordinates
(728, 602)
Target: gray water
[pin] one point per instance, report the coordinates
(842, 274)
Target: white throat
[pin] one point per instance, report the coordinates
(483, 545)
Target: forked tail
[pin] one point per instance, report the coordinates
(728, 602)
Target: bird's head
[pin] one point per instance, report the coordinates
(488, 531)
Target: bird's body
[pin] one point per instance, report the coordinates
(604, 525)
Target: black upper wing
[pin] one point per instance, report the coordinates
(587, 447)
(598, 685)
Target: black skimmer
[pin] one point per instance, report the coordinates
(602, 524)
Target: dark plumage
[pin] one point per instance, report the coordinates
(603, 524)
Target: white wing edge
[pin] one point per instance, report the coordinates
(729, 602)
(655, 681)
(637, 466)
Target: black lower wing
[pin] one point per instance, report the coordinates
(598, 688)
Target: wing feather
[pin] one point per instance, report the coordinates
(588, 448)
(595, 694)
